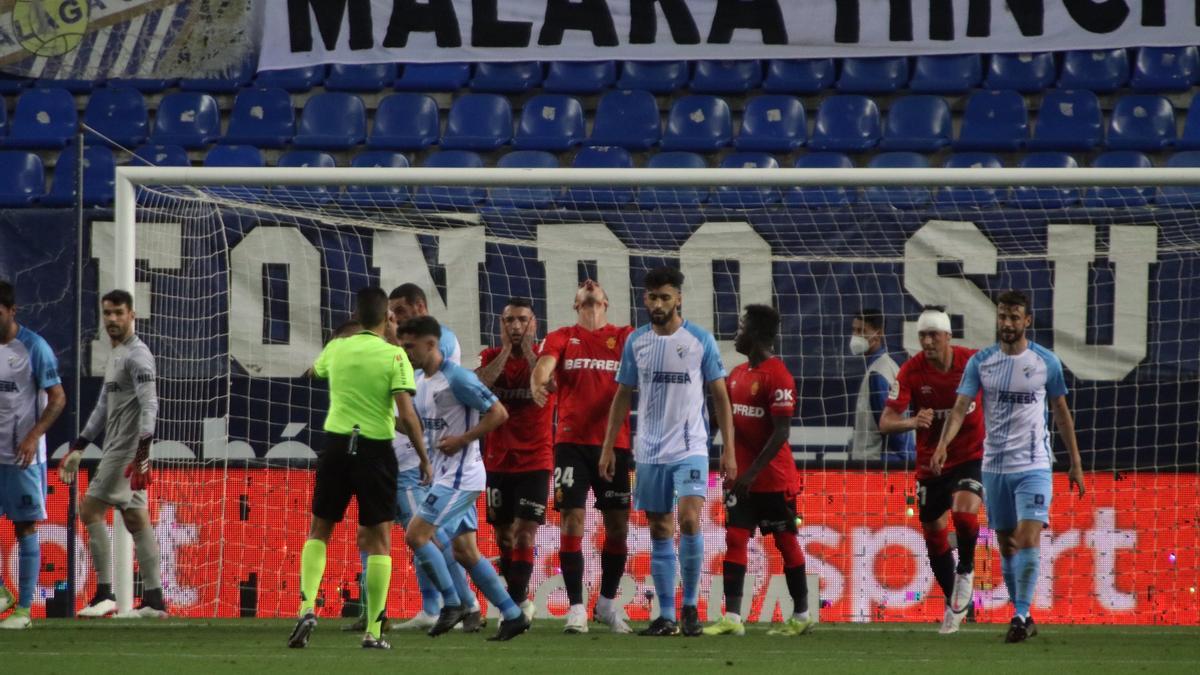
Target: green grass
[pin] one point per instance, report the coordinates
(180, 647)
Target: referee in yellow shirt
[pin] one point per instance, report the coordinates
(366, 375)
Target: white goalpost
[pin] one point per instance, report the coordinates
(248, 269)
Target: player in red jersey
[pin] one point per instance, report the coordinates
(763, 394)
(519, 453)
(582, 360)
(928, 383)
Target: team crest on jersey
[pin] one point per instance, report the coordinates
(1028, 371)
(574, 341)
(681, 350)
(14, 361)
(926, 390)
(753, 388)
(611, 343)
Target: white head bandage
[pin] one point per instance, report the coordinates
(933, 320)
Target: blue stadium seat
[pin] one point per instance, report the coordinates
(308, 195)
(846, 123)
(628, 119)
(451, 198)
(1161, 69)
(550, 122)
(13, 84)
(478, 122)
(189, 119)
(657, 77)
(738, 197)
(360, 77)
(376, 196)
(602, 157)
(698, 123)
(1068, 120)
(1141, 122)
(99, 172)
(160, 155)
(1045, 197)
(22, 178)
(235, 155)
(905, 197)
(118, 115)
(71, 85)
(1101, 70)
(1025, 72)
(261, 117)
(873, 75)
(580, 77)
(507, 78)
(917, 123)
(405, 121)
(299, 79)
(1190, 138)
(434, 77)
(994, 120)
(726, 77)
(1119, 196)
(44, 118)
(1180, 196)
(970, 196)
(238, 77)
(332, 121)
(799, 76)
(772, 123)
(673, 197)
(818, 197)
(525, 197)
(946, 73)
(146, 85)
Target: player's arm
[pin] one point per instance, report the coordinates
(781, 426)
(953, 424)
(490, 371)
(893, 419)
(142, 372)
(69, 466)
(724, 415)
(489, 422)
(1066, 429)
(56, 400)
(541, 382)
(618, 411)
(409, 424)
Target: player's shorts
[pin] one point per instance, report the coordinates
(450, 510)
(577, 469)
(935, 495)
(110, 485)
(517, 495)
(409, 494)
(1013, 497)
(770, 512)
(369, 475)
(23, 492)
(659, 485)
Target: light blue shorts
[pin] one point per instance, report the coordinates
(659, 485)
(1013, 497)
(450, 510)
(23, 492)
(409, 495)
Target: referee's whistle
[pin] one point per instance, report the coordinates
(352, 450)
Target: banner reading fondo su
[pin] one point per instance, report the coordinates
(303, 32)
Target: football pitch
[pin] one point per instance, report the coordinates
(179, 647)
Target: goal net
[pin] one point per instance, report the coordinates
(242, 274)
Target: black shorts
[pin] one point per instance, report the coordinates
(369, 475)
(517, 495)
(935, 495)
(770, 512)
(577, 469)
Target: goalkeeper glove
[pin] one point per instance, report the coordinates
(69, 466)
(138, 471)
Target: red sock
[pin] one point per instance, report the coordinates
(789, 548)
(570, 559)
(941, 560)
(612, 566)
(519, 571)
(737, 540)
(966, 528)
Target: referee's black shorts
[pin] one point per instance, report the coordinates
(369, 475)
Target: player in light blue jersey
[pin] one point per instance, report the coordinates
(671, 362)
(456, 412)
(1018, 378)
(31, 398)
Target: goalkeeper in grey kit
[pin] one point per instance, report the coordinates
(125, 413)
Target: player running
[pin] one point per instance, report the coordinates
(31, 398)
(1018, 378)
(580, 361)
(926, 383)
(126, 413)
(671, 362)
(519, 454)
(451, 400)
(763, 396)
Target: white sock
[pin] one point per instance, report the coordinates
(801, 616)
(734, 617)
(604, 606)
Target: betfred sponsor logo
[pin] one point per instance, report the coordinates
(742, 410)
(606, 365)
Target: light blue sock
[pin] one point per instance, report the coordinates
(362, 580)
(28, 568)
(691, 560)
(1010, 579)
(486, 579)
(431, 598)
(458, 576)
(662, 570)
(430, 557)
(1026, 562)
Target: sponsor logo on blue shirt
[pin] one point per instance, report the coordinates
(671, 377)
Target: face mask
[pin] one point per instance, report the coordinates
(858, 345)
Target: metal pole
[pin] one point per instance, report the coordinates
(73, 490)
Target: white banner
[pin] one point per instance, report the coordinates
(302, 32)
